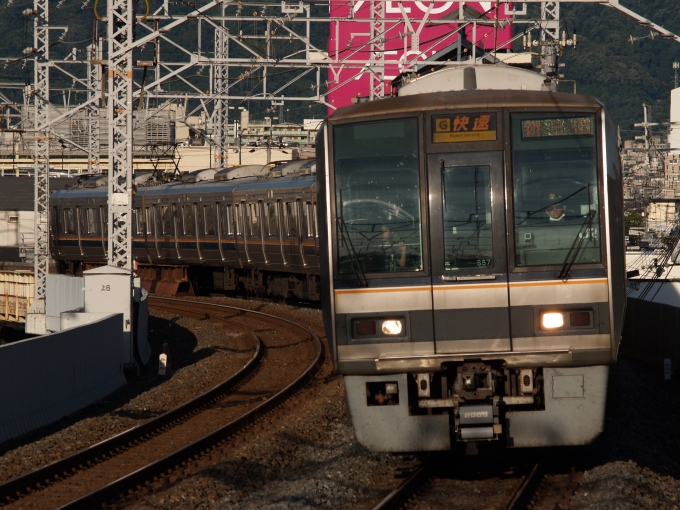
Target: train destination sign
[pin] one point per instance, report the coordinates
(464, 127)
(570, 126)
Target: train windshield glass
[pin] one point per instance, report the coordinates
(467, 217)
(377, 184)
(555, 189)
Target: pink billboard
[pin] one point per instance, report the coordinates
(412, 31)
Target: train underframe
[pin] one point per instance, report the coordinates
(172, 280)
(476, 402)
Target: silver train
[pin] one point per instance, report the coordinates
(251, 228)
(472, 261)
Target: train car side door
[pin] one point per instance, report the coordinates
(468, 250)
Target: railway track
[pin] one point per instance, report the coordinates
(145, 456)
(527, 486)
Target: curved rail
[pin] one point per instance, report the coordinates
(11, 489)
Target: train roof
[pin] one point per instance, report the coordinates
(177, 188)
(464, 99)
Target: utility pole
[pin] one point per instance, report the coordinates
(94, 79)
(120, 28)
(36, 320)
(220, 116)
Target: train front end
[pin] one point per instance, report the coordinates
(472, 267)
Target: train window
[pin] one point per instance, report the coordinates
(228, 225)
(104, 214)
(555, 189)
(166, 214)
(149, 220)
(91, 220)
(377, 183)
(69, 221)
(209, 219)
(139, 221)
(316, 221)
(188, 219)
(309, 219)
(253, 219)
(56, 218)
(272, 219)
(467, 217)
(82, 226)
(237, 219)
(290, 216)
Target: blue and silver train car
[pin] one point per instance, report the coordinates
(472, 265)
(250, 228)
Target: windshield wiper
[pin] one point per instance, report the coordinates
(576, 245)
(358, 269)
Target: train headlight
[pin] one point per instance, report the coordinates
(552, 320)
(392, 327)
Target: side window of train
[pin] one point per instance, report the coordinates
(188, 219)
(166, 214)
(226, 219)
(69, 221)
(149, 220)
(82, 226)
(253, 218)
(316, 221)
(309, 219)
(272, 219)
(56, 218)
(139, 221)
(237, 218)
(290, 214)
(104, 214)
(209, 220)
(91, 220)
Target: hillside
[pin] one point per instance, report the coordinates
(604, 64)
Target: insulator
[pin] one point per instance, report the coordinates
(29, 50)
(29, 12)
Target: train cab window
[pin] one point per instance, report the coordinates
(272, 219)
(290, 217)
(69, 221)
(188, 220)
(377, 197)
(166, 214)
(555, 189)
(209, 220)
(466, 208)
(91, 220)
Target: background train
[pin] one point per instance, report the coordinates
(472, 261)
(251, 228)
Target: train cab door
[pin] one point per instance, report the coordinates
(468, 252)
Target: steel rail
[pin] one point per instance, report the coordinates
(142, 477)
(12, 489)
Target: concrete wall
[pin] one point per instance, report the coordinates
(45, 378)
(64, 294)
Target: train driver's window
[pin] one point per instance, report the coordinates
(166, 214)
(91, 220)
(466, 207)
(555, 189)
(69, 221)
(377, 197)
(209, 219)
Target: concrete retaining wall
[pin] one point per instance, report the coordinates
(45, 378)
